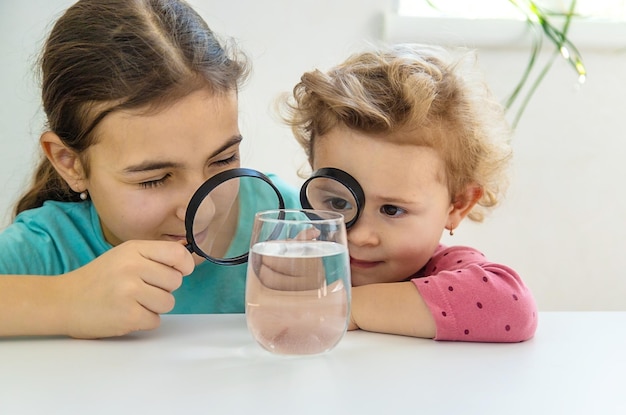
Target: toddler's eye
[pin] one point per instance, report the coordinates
(337, 203)
(391, 210)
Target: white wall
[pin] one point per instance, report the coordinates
(562, 225)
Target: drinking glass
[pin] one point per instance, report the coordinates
(298, 281)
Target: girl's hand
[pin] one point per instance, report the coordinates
(125, 289)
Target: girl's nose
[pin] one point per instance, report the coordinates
(186, 196)
(363, 233)
(205, 213)
(181, 211)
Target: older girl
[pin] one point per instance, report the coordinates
(141, 103)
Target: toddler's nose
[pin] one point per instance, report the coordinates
(362, 233)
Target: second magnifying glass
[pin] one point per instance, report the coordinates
(334, 190)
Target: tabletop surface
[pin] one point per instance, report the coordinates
(201, 364)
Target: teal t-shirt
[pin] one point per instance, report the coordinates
(60, 237)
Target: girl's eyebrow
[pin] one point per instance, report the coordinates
(151, 165)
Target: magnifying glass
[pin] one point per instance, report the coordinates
(335, 190)
(219, 217)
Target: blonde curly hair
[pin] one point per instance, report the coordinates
(432, 96)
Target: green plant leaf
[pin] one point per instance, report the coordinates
(539, 18)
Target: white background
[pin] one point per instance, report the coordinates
(562, 225)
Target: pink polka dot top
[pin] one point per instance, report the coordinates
(473, 299)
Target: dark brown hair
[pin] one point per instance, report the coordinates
(106, 55)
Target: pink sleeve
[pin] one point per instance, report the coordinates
(472, 299)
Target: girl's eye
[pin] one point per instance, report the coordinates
(229, 160)
(150, 184)
(391, 210)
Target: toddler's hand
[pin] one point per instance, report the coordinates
(352, 325)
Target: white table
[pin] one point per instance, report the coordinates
(209, 364)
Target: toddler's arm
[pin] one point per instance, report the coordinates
(461, 296)
(395, 308)
(472, 299)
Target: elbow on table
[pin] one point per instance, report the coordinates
(515, 324)
(510, 324)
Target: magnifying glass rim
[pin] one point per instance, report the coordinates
(203, 191)
(344, 179)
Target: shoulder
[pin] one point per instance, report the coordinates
(256, 195)
(280, 183)
(463, 262)
(56, 206)
(289, 192)
(474, 299)
(51, 238)
(53, 216)
(453, 257)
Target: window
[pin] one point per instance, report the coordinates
(498, 23)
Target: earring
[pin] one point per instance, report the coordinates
(451, 229)
(83, 195)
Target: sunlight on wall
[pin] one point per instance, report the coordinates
(601, 9)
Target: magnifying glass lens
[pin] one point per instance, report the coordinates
(324, 193)
(220, 215)
(215, 221)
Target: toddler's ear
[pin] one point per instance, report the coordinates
(463, 204)
(65, 161)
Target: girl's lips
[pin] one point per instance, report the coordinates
(176, 238)
(363, 264)
(199, 237)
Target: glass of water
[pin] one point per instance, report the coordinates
(298, 281)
